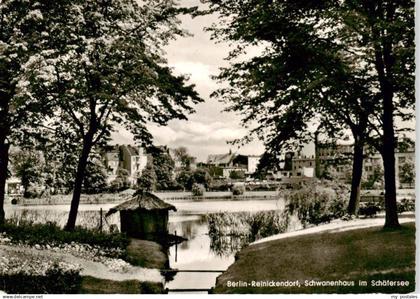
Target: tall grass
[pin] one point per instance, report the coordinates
(86, 219)
(229, 232)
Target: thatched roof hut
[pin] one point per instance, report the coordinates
(142, 200)
(144, 214)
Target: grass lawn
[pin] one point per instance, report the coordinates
(146, 254)
(352, 256)
(91, 285)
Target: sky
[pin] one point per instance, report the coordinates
(208, 130)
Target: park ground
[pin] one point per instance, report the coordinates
(138, 273)
(353, 253)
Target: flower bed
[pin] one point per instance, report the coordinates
(50, 235)
(22, 273)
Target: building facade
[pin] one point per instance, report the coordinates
(131, 158)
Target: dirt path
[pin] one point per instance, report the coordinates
(112, 269)
(339, 225)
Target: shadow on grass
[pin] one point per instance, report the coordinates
(368, 254)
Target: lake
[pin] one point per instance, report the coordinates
(189, 221)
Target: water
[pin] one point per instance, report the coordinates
(189, 221)
(196, 253)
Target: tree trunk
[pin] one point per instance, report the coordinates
(4, 145)
(317, 162)
(4, 160)
(356, 178)
(384, 63)
(388, 156)
(80, 175)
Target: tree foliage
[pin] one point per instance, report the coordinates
(22, 34)
(343, 64)
(163, 165)
(105, 67)
(95, 179)
(148, 179)
(29, 167)
(407, 173)
(185, 159)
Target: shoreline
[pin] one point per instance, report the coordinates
(107, 198)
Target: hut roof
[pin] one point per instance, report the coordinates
(142, 200)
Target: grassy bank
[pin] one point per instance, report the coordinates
(351, 256)
(92, 285)
(146, 254)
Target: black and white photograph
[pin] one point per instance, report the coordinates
(207, 147)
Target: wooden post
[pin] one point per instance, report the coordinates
(100, 220)
(176, 248)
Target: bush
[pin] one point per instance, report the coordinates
(369, 209)
(238, 189)
(57, 279)
(229, 232)
(50, 233)
(237, 175)
(406, 205)
(315, 204)
(198, 189)
(220, 185)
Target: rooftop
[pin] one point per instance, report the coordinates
(142, 200)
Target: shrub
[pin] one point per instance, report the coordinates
(315, 204)
(369, 209)
(237, 175)
(50, 233)
(220, 185)
(238, 189)
(198, 189)
(29, 274)
(406, 205)
(244, 225)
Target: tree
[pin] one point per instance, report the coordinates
(108, 69)
(163, 166)
(95, 179)
(184, 178)
(122, 181)
(407, 173)
(201, 177)
(23, 25)
(148, 179)
(375, 180)
(28, 166)
(181, 154)
(323, 61)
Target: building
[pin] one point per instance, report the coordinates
(231, 162)
(303, 166)
(134, 160)
(14, 187)
(221, 160)
(145, 215)
(339, 157)
(402, 160)
(131, 158)
(112, 163)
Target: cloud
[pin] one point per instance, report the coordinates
(202, 139)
